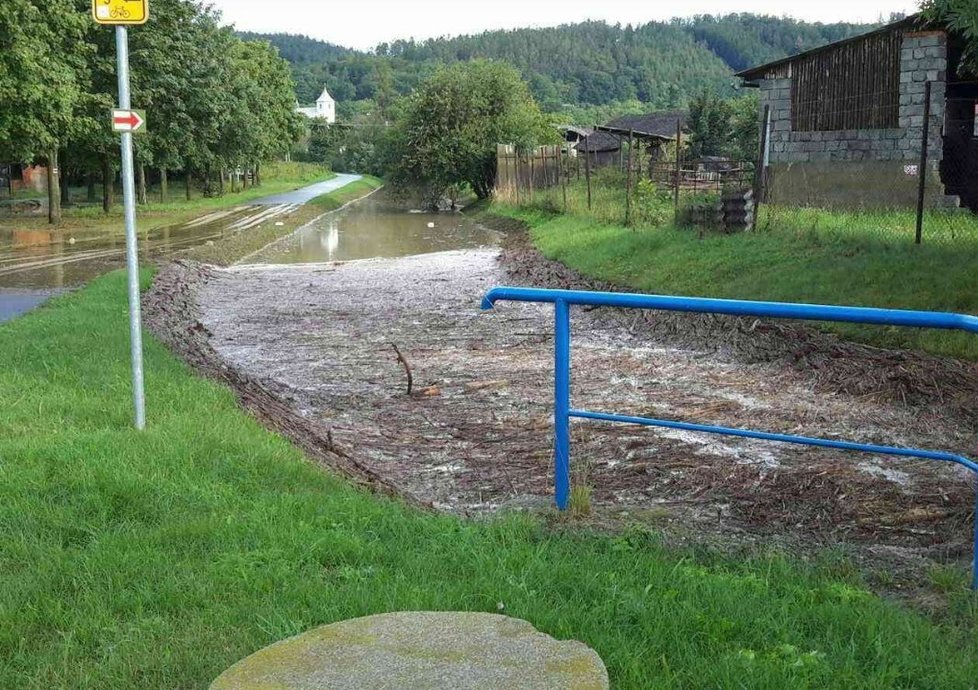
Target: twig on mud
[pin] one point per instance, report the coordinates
(407, 368)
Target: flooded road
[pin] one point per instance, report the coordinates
(376, 227)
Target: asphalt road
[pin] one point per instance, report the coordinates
(13, 304)
(307, 194)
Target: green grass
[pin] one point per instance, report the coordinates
(89, 219)
(795, 256)
(157, 559)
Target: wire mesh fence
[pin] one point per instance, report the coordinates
(635, 188)
(916, 183)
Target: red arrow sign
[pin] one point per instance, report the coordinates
(127, 121)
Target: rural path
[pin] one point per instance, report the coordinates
(307, 194)
(34, 264)
(474, 436)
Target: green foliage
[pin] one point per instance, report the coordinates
(448, 132)
(213, 100)
(43, 67)
(746, 40)
(658, 64)
(961, 16)
(723, 127)
(155, 560)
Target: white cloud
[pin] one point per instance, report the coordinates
(366, 23)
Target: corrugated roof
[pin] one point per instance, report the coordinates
(662, 123)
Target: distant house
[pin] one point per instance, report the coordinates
(847, 120)
(605, 143)
(662, 123)
(325, 108)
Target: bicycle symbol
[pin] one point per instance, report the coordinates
(120, 13)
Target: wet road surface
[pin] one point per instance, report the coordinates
(375, 228)
(307, 194)
(15, 303)
(36, 263)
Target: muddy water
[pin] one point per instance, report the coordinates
(39, 259)
(377, 227)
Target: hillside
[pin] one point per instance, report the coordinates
(593, 63)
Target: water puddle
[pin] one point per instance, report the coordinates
(377, 228)
(36, 258)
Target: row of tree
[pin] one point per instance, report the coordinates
(593, 63)
(214, 101)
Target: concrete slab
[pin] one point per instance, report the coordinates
(421, 651)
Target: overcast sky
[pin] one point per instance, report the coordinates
(365, 23)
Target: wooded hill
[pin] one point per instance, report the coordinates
(593, 63)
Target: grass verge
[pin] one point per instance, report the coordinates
(242, 244)
(83, 220)
(788, 264)
(157, 559)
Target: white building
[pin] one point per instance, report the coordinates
(325, 108)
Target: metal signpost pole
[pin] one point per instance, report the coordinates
(132, 250)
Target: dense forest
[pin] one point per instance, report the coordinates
(660, 65)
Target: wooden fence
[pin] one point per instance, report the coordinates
(519, 174)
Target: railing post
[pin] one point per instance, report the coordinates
(974, 552)
(562, 365)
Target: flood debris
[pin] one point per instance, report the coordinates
(308, 350)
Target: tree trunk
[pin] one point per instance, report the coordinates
(188, 181)
(258, 174)
(142, 185)
(234, 181)
(221, 186)
(65, 191)
(54, 188)
(246, 179)
(90, 181)
(107, 182)
(164, 186)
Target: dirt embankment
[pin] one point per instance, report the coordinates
(311, 351)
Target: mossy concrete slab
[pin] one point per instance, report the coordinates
(421, 651)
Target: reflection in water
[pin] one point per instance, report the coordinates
(375, 228)
(40, 258)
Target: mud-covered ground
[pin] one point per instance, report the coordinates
(313, 351)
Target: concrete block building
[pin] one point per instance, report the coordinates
(846, 125)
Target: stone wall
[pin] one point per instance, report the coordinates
(801, 161)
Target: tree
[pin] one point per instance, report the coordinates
(450, 128)
(960, 16)
(42, 58)
(710, 126)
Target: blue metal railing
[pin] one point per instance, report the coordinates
(563, 300)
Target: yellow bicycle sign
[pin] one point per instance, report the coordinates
(120, 12)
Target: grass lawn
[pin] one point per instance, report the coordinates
(88, 219)
(793, 260)
(157, 559)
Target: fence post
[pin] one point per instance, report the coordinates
(563, 176)
(587, 171)
(562, 365)
(922, 173)
(679, 164)
(759, 174)
(628, 188)
(516, 174)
